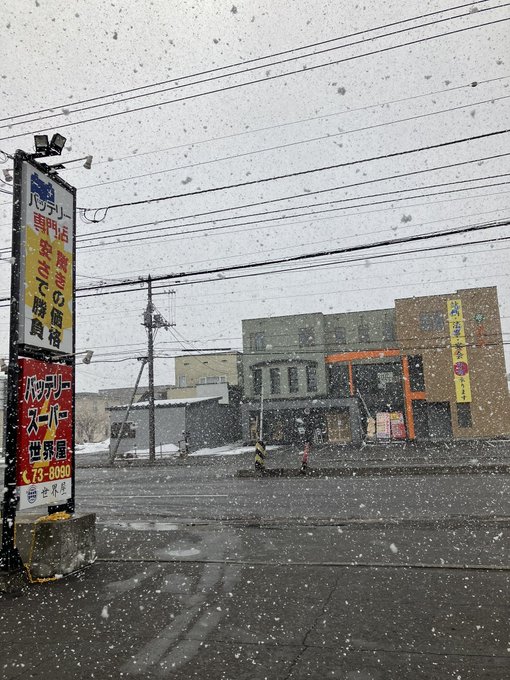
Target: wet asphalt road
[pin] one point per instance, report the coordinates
(203, 575)
(209, 490)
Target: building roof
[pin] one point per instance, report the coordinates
(163, 403)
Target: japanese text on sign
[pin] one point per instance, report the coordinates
(45, 438)
(459, 351)
(47, 233)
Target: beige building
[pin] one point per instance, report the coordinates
(206, 375)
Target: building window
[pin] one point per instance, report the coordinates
(128, 431)
(363, 332)
(293, 379)
(416, 375)
(257, 380)
(388, 332)
(339, 383)
(311, 378)
(181, 381)
(464, 415)
(212, 379)
(274, 379)
(341, 335)
(306, 337)
(432, 321)
(258, 341)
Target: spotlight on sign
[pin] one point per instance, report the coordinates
(57, 144)
(7, 175)
(88, 162)
(41, 144)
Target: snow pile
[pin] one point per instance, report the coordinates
(90, 447)
(162, 450)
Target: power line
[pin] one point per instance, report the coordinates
(106, 288)
(298, 173)
(302, 351)
(295, 143)
(123, 229)
(333, 263)
(308, 243)
(309, 256)
(248, 61)
(276, 126)
(266, 78)
(160, 238)
(115, 232)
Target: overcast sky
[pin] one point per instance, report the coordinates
(54, 53)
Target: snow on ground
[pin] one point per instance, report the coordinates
(229, 450)
(163, 450)
(90, 447)
(223, 451)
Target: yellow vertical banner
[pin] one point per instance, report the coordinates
(459, 351)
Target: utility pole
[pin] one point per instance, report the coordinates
(149, 324)
(152, 322)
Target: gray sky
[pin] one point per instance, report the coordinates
(54, 53)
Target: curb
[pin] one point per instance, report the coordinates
(380, 471)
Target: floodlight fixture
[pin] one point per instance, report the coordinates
(7, 175)
(41, 144)
(57, 144)
(88, 356)
(88, 162)
(3, 366)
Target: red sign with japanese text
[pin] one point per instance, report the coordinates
(44, 461)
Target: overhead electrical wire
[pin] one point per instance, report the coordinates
(328, 136)
(246, 61)
(379, 104)
(116, 231)
(298, 173)
(299, 121)
(302, 351)
(300, 245)
(162, 238)
(122, 229)
(271, 77)
(299, 260)
(324, 264)
(308, 256)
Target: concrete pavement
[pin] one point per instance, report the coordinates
(174, 601)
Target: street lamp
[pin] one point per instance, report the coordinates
(86, 352)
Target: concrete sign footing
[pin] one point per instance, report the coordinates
(51, 549)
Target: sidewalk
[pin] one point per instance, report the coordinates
(469, 457)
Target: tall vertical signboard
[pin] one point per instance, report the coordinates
(40, 418)
(460, 361)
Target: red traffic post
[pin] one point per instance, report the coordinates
(304, 461)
